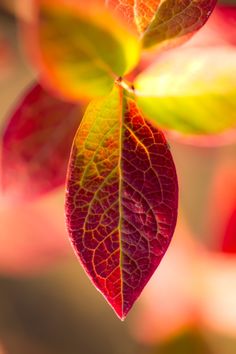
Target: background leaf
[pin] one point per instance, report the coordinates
(122, 197)
(164, 23)
(36, 144)
(78, 49)
(177, 20)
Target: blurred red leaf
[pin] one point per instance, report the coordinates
(122, 198)
(36, 144)
(229, 240)
(222, 208)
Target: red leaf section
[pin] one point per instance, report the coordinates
(229, 242)
(222, 208)
(149, 200)
(36, 145)
(122, 197)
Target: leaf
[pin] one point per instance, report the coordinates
(229, 242)
(177, 20)
(192, 90)
(164, 22)
(78, 48)
(36, 144)
(145, 12)
(219, 29)
(122, 196)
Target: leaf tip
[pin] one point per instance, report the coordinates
(121, 314)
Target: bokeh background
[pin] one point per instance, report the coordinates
(47, 304)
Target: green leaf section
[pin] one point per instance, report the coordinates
(80, 54)
(207, 114)
(192, 91)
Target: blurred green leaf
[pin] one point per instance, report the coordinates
(79, 53)
(191, 90)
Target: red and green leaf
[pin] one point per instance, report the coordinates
(177, 20)
(164, 22)
(78, 47)
(122, 197)
(36, 144)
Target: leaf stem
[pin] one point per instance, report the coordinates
(126, 85)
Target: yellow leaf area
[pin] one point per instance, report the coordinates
(192, 90)
(80, 53)
(122, 196)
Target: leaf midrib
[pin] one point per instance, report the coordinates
(121, 121)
